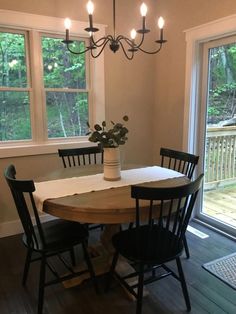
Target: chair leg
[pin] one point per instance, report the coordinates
(26, 267)
(90, 267)
(186, 246)
(41, 284)
(72, 256)
(112, 270)
(140, 291)
(183, 284)
(131, 224)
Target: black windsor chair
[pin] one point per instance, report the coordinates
(73, 157)
(179, 161)
(149, 246)
(46, 239)
(182, 162)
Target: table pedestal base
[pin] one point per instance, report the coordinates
(101, 257)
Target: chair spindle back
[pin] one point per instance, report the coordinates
(20, 189)
(179, 161)
(169, 208)
(73, 157)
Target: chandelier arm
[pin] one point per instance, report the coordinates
(77, 52)
(141, 41)
(102, 40)
(95, 56)
(150, 52)
(126, 39)
(125, 53)
(129, 41)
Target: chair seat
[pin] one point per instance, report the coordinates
(59, 234)
(147, 245)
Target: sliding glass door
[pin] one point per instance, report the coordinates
(217, 131)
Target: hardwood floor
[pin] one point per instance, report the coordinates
(207, 294)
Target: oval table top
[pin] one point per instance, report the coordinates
(111, 206)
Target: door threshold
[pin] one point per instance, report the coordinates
(207, 225)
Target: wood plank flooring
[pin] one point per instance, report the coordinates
(207, 293)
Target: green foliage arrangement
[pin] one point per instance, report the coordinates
(109, 137)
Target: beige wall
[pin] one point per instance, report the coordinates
(170, 64)
(150, 89)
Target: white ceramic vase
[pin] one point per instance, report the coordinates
(111, 161)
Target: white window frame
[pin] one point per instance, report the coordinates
(35, 25)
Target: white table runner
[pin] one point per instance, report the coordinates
(78, 185)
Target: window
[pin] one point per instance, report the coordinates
(47, 94)
(64, 81)
(14, 94)
(65, 84)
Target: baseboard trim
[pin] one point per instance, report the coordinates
(14, 227)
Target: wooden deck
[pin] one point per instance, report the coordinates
(220, 161)
(221, 204)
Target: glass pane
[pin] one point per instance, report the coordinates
(222, 84)
(14, 116)
(62, 68)
(67, 114)
(219, 202)
(12, 60)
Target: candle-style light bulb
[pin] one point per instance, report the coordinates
(143, 9)
(67, 23)
(90, 7)
(161, 22)
(133, 34)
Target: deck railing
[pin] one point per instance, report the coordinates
(220, 163)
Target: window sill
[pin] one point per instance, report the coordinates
(30, 149)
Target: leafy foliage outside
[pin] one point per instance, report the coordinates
(67, 112)
(222, 83)
(14, 105)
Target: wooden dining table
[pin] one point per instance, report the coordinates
(111, 207)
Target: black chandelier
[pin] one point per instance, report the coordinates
(128, 45)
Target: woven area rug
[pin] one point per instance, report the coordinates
(224, 268)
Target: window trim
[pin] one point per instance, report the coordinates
(36, 25)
